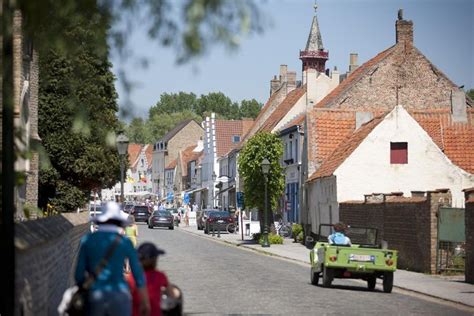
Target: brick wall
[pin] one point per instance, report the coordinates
(405, 77)
(46, 251)
(407, 224)
(469, 218)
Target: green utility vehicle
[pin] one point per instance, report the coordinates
(363, 259)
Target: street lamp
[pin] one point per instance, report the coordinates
(214, 177)
(122, 148)
(265, 170)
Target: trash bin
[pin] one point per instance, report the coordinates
(247, 229)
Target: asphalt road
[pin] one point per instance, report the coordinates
(222, 279)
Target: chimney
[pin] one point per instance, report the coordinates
(274, 85)
(353, 62)
(283, 73)
(404, 30)
(311, 87)
(291, 77)
(458, 106)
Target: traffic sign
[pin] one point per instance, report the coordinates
(240, 200)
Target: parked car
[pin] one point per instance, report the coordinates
(141, 213)
(201, 217)
(217, 220)
(175, 213)
(162, 218)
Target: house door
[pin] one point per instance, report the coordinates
(451, 247)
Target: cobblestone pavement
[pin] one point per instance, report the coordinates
(221, 279)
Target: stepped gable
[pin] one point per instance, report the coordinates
(282, 109)
(344, 150)
(133, 153)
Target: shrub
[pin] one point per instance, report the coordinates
(300, 237)
(273, 239)
(296, 230)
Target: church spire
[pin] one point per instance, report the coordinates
(314, 56)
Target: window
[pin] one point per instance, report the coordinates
(235, 139)
(398, 153)
(296, 150)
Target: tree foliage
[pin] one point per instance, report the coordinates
(470, 94)
(77, 118)
(173, 108)
(262, 145)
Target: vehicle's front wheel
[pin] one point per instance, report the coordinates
(206, 231)
(328, 275)
(314, 277)
(171, 227)
(371, 281)
(150, 227)
(388, 282)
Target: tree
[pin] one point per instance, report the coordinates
(138, 132)
(470, 94)
(77, 119)
(249, 108)
(219, 103)
(174, 102)
(262, 145)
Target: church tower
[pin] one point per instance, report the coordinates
(314, 56)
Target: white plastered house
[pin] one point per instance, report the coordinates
(396, 152)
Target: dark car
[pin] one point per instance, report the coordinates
(217, 220)
(201, 217)
(162, 218)
(141, 213)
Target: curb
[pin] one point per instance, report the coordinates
(261, 251)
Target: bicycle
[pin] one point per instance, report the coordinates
(283, 229)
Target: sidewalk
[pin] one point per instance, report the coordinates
(452, 289)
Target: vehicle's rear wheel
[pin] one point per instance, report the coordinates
(231, 228)
(328, 275)
(285, 231)
(206, 231)
(314, 277)
(371, 281)
(171, 227)
(150, 227)
(388, 282)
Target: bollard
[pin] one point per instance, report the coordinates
(213, 230)
(218, 231)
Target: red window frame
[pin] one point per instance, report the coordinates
(399, 153)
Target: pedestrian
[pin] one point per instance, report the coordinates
(131, 231)
(339, 237)
(109, 293)
(186, 215)
(156, 280)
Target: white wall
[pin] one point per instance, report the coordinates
(298, 108)
(368, 169)
(322, 202)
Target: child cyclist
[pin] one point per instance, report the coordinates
(155, 280)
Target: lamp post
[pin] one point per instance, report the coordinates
(214, 177)
(122, 148)
(265, 170)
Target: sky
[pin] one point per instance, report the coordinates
(443, 32)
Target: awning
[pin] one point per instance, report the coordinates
(196, 190)
(226, 189)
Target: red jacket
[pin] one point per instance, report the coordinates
(155, 281)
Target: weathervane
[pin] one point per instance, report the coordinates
(315, 6)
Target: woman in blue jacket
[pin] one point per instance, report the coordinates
(109, 294)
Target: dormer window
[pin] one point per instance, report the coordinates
(235, 139)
